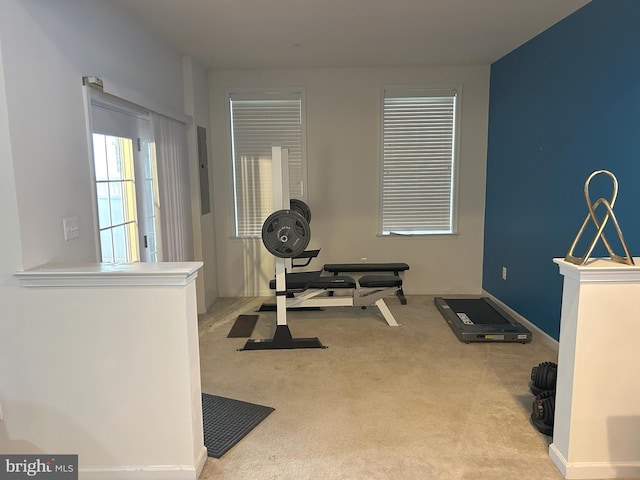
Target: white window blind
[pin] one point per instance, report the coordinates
(418, 152)
(259, 121)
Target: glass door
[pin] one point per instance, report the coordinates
(125, 183)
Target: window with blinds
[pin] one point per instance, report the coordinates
(259, 121)
(418, 161)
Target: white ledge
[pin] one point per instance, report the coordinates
(110, 274)
(601, 270)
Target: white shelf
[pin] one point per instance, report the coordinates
(600, 270)
(110, 274)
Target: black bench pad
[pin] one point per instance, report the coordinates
(333, 282)
(375, 281)
(366, 267)
(299, 282)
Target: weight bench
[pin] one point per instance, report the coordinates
(396, 268)
(308, 289)
(286, 235)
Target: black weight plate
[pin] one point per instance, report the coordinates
(286, 233)
(302, 208)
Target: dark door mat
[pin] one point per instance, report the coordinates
(227, 421)
(243, 326)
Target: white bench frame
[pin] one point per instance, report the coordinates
(360, 297)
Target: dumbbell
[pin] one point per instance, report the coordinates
(543, 377)
(543, 411)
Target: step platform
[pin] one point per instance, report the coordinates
(481, 320)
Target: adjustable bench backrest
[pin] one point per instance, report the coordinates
(396, 268)
(337, 268)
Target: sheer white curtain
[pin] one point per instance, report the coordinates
(176, 229)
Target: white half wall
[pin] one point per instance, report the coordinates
(343, 154)
(112, 369)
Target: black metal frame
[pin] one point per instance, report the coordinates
(282, 339)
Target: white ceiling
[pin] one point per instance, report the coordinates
(234, 34)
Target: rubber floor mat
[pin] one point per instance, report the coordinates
(227, 421)
(243, 326)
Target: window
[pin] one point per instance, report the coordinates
(258, 121)
(116, 193)
(419, 129)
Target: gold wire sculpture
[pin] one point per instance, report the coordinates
(608, 205)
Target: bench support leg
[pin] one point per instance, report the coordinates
(386, 313)
(401, 296)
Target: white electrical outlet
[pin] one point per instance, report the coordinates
(71, 228)
(504, 273)
(363, 259)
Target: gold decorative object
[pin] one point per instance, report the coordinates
(608, 205)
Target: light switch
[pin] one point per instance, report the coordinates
(71, 228)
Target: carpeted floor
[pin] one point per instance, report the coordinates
(410, 402)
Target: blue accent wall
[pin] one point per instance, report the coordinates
(562, 105)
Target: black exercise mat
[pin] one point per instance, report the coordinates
(227, 421)
(243, 326)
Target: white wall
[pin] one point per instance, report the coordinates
(10, 255)
(197, 106)
(343, 135)
(46, 47)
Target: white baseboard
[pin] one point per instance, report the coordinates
(146, 472)
(589, 470)
(200, 461)
(558, 459)
(544, 337)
